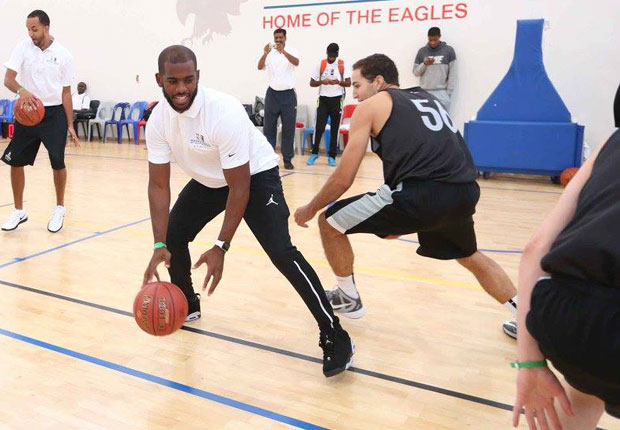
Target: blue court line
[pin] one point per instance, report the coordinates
(64, 245)
(165, 382)
(287, 6)
(500, 251)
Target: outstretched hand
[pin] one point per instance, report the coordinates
(214, 259)
(536, 391)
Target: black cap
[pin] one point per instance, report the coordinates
(332, 49)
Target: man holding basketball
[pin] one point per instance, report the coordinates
(46, 71)
(234, 170)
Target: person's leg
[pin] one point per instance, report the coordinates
(272, 111)
(21, 151)
(60, 183)
(490, 275)
(288, 115)
(588, 410)
(18, 183)
(335, 111)
(194, 208)
(337, 248)
(321, 121)
(267, 216)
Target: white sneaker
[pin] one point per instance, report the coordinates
(17, 217)
(57, 219)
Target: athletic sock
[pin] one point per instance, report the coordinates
(347, 284)
(511, 304)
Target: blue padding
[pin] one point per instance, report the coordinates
(526, 93)
(524, 147)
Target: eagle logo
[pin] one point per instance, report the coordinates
(211, 17)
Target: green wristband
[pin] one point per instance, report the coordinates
(159, 245)
(528, 364)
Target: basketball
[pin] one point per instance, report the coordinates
(29, 118)
(160, 308)
(567, 175)
(392, 236)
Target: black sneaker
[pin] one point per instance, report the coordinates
(338, 350)
(288, 165)
(193, 308)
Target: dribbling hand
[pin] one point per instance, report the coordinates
(159, 255)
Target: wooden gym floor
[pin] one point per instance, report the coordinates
(430, 350)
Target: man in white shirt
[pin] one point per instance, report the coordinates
(332, 77)
(235, 170)
(281, 99)
(81, 101)
(46, 71)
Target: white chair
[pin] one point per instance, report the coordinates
(104, 113)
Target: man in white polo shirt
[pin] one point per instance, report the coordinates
(332, 76)
(45, 69)
(281, 99)
(235, 170)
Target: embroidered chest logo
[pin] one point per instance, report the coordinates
(199, 143)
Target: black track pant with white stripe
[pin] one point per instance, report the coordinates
(267, 216)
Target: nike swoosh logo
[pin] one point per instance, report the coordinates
(231, 155)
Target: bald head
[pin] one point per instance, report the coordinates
(176, 54)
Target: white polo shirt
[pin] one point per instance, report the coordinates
(215, 133)
(80, 101)
(331, 72)
(280, 71)
(43, 73)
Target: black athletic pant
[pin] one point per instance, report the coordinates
(267, 216)
(281, 104)
(328, 107)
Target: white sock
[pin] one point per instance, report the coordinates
(347, 284)
(511, 304)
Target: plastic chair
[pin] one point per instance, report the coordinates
(309, 132)
(6, 110)
(104, 113)
(118, 114)
(345, 120)
(133, 118)
(86, 117)
(142, 123)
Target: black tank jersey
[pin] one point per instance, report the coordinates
(589, 246)
(419, 141)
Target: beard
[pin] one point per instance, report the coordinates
(171, 100)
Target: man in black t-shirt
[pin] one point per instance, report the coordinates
(429, 189)
(570, 289)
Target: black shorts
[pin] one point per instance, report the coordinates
(52, 131)
(577, 326)
(441, 214)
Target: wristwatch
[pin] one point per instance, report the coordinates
(224, 246)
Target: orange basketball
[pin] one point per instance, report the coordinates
(567, 175)
(29, 117)
(160, 308)
(392, 236)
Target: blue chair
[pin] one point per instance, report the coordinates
(119, 112)
(133, 118)
(309, 132)
(524, 126)
(6, 110)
